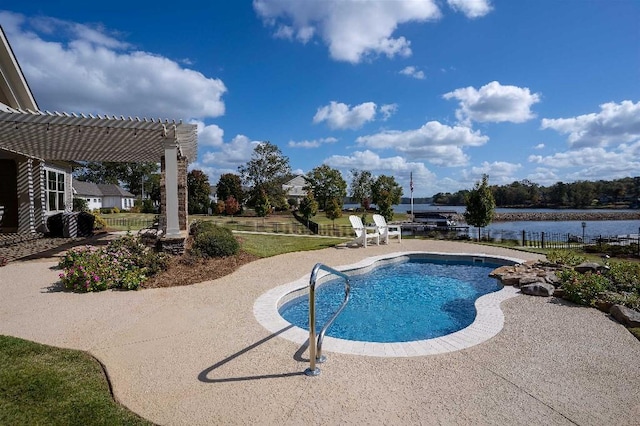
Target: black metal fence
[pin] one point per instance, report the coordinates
(128, 222)
(264, 226)
(556, 240)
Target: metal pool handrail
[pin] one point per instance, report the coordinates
(315, 347)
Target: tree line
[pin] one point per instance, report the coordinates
(258, 185)
(581, 194)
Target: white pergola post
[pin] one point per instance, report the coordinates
(171, 188)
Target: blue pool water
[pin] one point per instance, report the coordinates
(402, 302)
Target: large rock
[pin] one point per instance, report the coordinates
(626, 316)
(538, 289)
(585, 267)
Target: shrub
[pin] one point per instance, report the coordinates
(124, 263)
(625, 276)
(583, 289)
(214, 242)
(201, 226)
(99, 223)
(80, 205)
(565, 257)
(148, 206)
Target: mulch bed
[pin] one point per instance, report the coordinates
(186, 270)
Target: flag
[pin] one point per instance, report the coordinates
(411, 182)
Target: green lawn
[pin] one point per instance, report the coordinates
(43, 385)
(277, 223)
(272, 245)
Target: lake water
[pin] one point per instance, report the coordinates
(593, 228)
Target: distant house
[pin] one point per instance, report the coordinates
(213, 193)
(295, 188)
(103, 195)
(88, 191)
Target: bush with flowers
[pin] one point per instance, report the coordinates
(618, 283)
(124, 263)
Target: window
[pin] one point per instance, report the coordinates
(55, 190)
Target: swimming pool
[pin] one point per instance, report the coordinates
(488, 320)
(414, 299)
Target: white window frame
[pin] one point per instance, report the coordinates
(55, 190)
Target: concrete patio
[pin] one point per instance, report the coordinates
(196, 355)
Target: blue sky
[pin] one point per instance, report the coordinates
(545, 90)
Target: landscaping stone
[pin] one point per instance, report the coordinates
(527, 273)
(552, 278)
(585, 267)
(530, 279)
(538, 289)
(626, 316)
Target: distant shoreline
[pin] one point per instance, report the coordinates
(560, 216)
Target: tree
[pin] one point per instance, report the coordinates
(267, 170)
(230, 185)
(333, 210)
(231, 206)
(308, 206)
(326, 184)
(152, 187)
(480, 205)
(130, 175)
(262, 204)
(361, 183)
(198, 189)
(385, 193)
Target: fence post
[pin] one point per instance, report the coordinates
(542, 239)
(523, 239)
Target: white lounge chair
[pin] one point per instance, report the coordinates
(387, 231)
(362, 233)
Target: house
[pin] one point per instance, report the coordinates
(295, 188)
(103, 195)
(88, 191)
(38, 149)
(213, 193)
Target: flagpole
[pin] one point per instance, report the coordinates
(411, 188)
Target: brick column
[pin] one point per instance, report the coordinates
(183, 196)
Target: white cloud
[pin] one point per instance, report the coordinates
(412, 71)
(93, 71)
(494, 102)
(471, 8)
(230, 155)
(398, 167)
(594, 163)
(388, 110)
(539, 146)
(434, 142)
(210, 135)
(500, 172)
(341, 116)
(544, 176)
(614, 123)
(316, 143)
(353, 30)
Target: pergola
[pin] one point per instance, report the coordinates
(71, 137)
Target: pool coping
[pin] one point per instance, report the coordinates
(488, 322)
